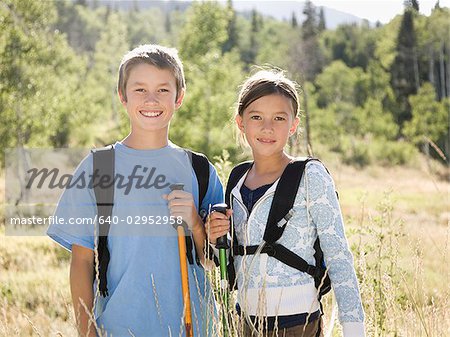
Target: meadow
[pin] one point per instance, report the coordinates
(397, 221)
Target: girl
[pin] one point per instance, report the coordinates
(274, 297)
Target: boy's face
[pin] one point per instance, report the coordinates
(151, 98)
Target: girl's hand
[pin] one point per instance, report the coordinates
(217, 225)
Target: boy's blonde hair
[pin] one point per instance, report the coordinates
(264, 83)
(155, 55)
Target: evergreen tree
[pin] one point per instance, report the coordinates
(253, 38)
(322, 24)
(168, 23)
(294, 22)
(232, 31)
(403, 69)
(308, 54)
(411, 4)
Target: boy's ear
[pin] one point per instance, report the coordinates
(294, 126)
(180, 98)
(239, 122)
(122, 99)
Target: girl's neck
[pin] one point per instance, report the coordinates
(274, 164)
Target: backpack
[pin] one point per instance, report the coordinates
(279, 215)
(104, 166)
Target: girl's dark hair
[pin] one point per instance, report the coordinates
(267, 82)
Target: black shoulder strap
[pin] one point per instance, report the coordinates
(235, 174)
(283, 200)
(103, 182)
(200, 165)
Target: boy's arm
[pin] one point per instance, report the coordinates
(199, 235)
(81, 281)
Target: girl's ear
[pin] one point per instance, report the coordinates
(294, 126)
(239, 122)
(180, 98)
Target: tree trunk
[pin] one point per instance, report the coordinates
(442, 70)
(447, 67)
(309, 149)
(416, 70)
(431, 68)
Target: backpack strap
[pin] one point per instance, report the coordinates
(283, 200)
(200, 164)
(235, 175)
(280, 212)
(103, 169)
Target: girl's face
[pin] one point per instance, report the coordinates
(267, 124)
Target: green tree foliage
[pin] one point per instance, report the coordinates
(39, 82)
(212, 78)
(352, 43)
(205, 30)
(429, 117)
(434, 50)
(205, 121)
(59, 63)
(339, 83)
(149, 26)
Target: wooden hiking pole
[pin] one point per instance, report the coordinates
(184, 271)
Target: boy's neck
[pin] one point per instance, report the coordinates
(146, 140)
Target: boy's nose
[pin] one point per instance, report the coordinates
(151, 98)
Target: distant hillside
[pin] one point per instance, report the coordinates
(280, 10)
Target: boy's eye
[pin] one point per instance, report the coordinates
(279, 118)
(163, 90)
(140, 90)
(255, 117)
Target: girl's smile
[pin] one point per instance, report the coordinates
(267, 124)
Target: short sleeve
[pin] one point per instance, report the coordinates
(76, 212)
(214, 194)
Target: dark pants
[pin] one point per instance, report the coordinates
(297, 331)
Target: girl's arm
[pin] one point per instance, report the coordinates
(325, 213)
(81, 281)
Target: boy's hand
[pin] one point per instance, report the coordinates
(217, 225)
(181, 203)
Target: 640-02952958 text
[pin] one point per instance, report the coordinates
(138, 220)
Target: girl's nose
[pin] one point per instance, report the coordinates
(267, 125)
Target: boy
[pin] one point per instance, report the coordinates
(144, 296)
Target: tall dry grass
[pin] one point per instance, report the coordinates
(400, 242)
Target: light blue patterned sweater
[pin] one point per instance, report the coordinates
(270, 287)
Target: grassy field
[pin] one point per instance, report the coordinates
(397, 221)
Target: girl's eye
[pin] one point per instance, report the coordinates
(163, 90)
(140, 90)
(255, 117)
(280, 118)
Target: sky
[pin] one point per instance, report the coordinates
(380, 10)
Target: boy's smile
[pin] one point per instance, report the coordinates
(151, 100)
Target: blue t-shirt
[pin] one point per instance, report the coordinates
(145, 297)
